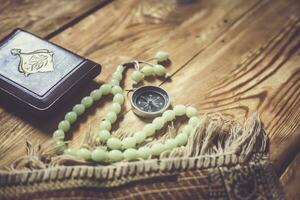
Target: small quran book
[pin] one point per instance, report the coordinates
(37, 74)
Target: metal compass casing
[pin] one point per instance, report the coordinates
(149, 101)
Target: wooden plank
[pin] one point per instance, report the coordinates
(246, 75)
(40, 17)
(168, 23)
(134, 29)
(253, 68)
(290, 179)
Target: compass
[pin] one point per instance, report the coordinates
(149, 101)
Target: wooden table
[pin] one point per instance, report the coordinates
(231, 56)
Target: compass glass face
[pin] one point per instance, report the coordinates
(150, 99)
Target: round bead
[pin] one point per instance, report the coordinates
(105, 89)
(161, 56)
(144, 152)
(115, 155)
(139, 137)
(64, 125)
(130, 154)
(171, 144)
(169, 115)
(105, 125)
(116, 90)
(118, 98)
(71, 152)
(96, 94)
(159, 70)
(191, 111)
(159, 122)
(187, 129)
(58, 135)
(84, 154)
(157, 149)
(128, 142)
(59, 146)
(149, 129)
(98, 155)
(87, 101)
(111, 116)
(120, 68)
(71, 117)
(147, 70)
(179, 110)
(117, 75)
(193, 121)
(79, 109)
(114, 143)
(181, 139)
(104, 135)
(116, 107)
(137, 76)
(114, 82)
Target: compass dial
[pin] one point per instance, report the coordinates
(150, 100)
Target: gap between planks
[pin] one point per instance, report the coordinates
(77, 19)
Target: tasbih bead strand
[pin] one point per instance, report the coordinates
(128, 144)
(161, 56)
(159, 70)
(146, 71)
(137, 76)
(86, 102)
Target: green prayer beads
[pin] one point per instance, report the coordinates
(84, 154)
(87, 101)
(58, 135)
(129, 142)
(96, 94)
(118, 98)
(161, 56)
(139, 136)
(115, 155)
(71, 117)
(105, 89)
(64, 125)
(79, 109)
(114, 143)
(71, 152)
(98, 155)
(159, 70)
(147, 71)
(137, 76)
(116, 107)
(129, 148)
(130, 154)
(157, 149)
(104, 135)
(144, 152)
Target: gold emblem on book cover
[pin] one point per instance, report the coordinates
(36, 61)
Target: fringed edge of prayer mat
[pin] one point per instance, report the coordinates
(216, 142)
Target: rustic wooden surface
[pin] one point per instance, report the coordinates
(43, 17)
(290, 179)
(232, 56)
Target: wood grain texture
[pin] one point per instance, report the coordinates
(122, 36)
(291, 179)
(42, 17)
(234, 57)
